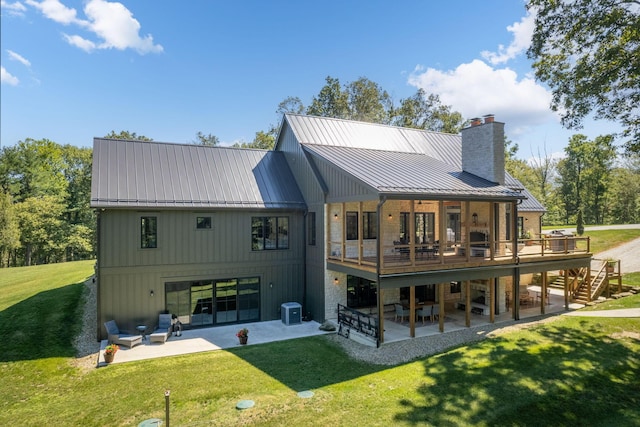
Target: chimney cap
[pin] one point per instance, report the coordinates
(488, 118)
(476, 121)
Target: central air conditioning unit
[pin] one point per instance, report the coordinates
(291, 313)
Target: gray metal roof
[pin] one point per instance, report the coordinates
(392, 172)
(346, 133)
(154, 175)
(530, 204)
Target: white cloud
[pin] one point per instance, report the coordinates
(476, 89)
(56, 11)
(79, 42)
(15, 8)
(116, 25)
(7, 78)
(522, 33)
(112, 23)
(19, 58)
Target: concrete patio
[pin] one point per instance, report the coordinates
(217, 338)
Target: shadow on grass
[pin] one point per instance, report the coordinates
(314, 364)
(561, 376)
(42, 326)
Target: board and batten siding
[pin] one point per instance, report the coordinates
(127, 274)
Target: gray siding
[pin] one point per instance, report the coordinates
(127, 273)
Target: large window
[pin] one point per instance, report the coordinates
(269, 233)
(425, 226)
(361, 292)
(352, 225)
(149, 232)
(370, 225)
(521, 232)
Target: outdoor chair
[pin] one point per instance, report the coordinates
(435, 312)
(401, 312)
(114, 336)
(164, 329)
(424, 312)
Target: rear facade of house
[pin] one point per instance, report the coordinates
(340, 214)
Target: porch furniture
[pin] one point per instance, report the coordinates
(164, 329)
(114, 336)
(435, 312)
(539, 296)
(526, 299)
(158, 337)
(476, 307)
(143, 331)
(425, 311)
(402, 312)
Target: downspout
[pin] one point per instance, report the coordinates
(97, 272)
(516, 270)
(379, 257)
(304, 261)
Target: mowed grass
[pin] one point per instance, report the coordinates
(570, 371)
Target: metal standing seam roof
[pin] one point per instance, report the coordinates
(154, 175)
(391, 172)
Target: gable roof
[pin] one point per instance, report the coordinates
(164, 175)
(390, 159)
(397, 173)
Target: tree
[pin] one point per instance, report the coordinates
(291, 104)
(207, 140)
(368, 102)
(262, 141)
(422, 111)
(588, 52)
(580, 223)
(332, 101)
(584, 177)
(9, 231)
(125, 134)
(41, 229)
(624, 192)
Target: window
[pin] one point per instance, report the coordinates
(404, 227)
(149, 232)
(425, 226)
(521, 231)
(370, 225)
(269, 233)
(361, 292)
(311, 226)
(203, 222)
(456, 287)
(352, 225)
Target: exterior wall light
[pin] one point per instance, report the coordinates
(390, 217)
(336, 281)
(335, 216)
(475, 218)
(151, 293)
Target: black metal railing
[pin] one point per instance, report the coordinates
(350, 319)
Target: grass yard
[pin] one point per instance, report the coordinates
(567, 372)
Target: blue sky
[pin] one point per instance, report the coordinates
(167, 69)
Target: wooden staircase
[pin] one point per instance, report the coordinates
(584, 289)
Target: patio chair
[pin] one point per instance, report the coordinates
(402, 312)
(164, 329)
(114, 336)
(435, 312)
(424, 312)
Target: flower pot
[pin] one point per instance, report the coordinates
(108, 357)
(243, 340)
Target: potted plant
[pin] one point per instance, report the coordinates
(110, 352)
(243, 335)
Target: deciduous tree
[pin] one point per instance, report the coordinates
(588, 52)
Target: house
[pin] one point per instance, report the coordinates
(342, 217)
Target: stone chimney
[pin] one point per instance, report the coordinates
(483, 149)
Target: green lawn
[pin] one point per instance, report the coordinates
(571, 371)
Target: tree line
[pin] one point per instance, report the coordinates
(45, 187)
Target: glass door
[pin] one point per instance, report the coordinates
(178, 297)
(249, 299)
(201, 303)
(226, 301)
